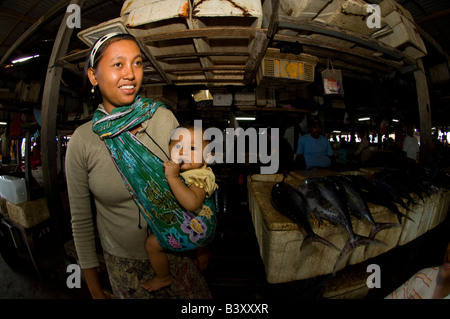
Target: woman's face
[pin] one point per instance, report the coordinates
(118, 74)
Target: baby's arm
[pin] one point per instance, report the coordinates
(192, 197)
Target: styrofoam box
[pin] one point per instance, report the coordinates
(404, 33)
(223, 99)
(13, 189)
(279, 239)
(294, 8)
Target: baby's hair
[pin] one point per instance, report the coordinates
(190, 125)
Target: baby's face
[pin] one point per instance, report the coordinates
(187, 150)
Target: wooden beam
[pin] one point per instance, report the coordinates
(423, 100)
(302, 24)
(48, 120)
(348, 51)
(153, 61)
(212, 32)
(260, 44)
(198, 54)
(60, 6)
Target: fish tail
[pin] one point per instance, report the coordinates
(400, 215)
(312, 237)
(377, 227)
(351, 244)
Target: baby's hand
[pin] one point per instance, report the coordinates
(171, 169)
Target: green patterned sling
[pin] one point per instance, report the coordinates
(142, 172)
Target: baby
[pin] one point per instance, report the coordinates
(188, 160)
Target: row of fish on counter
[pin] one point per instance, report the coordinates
(336, 198)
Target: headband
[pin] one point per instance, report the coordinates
(98, 44)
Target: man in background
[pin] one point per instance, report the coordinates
(314, 148)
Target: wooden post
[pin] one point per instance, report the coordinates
(49, 114)
(423, 100)
(28, 175)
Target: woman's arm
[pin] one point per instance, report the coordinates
(192, 197)
(81, 214)
(93, 283)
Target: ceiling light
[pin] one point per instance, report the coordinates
(395, 120)
(364, 119)
(25, 59)
(245, 118)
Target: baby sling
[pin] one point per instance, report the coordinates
(143, 174)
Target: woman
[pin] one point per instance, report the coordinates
(429, 283)
(115, 70)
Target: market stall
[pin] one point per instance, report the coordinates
(280, 238)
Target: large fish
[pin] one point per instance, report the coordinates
(371, 193)
(327, 202)
(358, 206)
(402, 190)
(407, 178)
(393, 193)
(292, 204)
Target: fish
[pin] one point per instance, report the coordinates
(408, 179)
(358, 206)
(391, 192)
(402, 190)
(327, 202)
(371, 193)
(287, 200)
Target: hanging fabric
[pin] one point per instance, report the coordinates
(142, 172)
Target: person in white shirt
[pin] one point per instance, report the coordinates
(410, 146)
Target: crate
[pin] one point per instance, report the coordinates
(294, 8)
(389, 6)
(352, 16)
(351, 283)
(30, 213)
(90, 35)
(279, 238)
(405, 37)
(3, 208)
(215, 13)
(141, 12)
(286, 69)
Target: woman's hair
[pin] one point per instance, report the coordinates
(94, 56)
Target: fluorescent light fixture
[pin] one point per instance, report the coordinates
(395, 120)
(245, 118)
(364, 119)
(25, 59)
(336, 132)
(3, 123)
